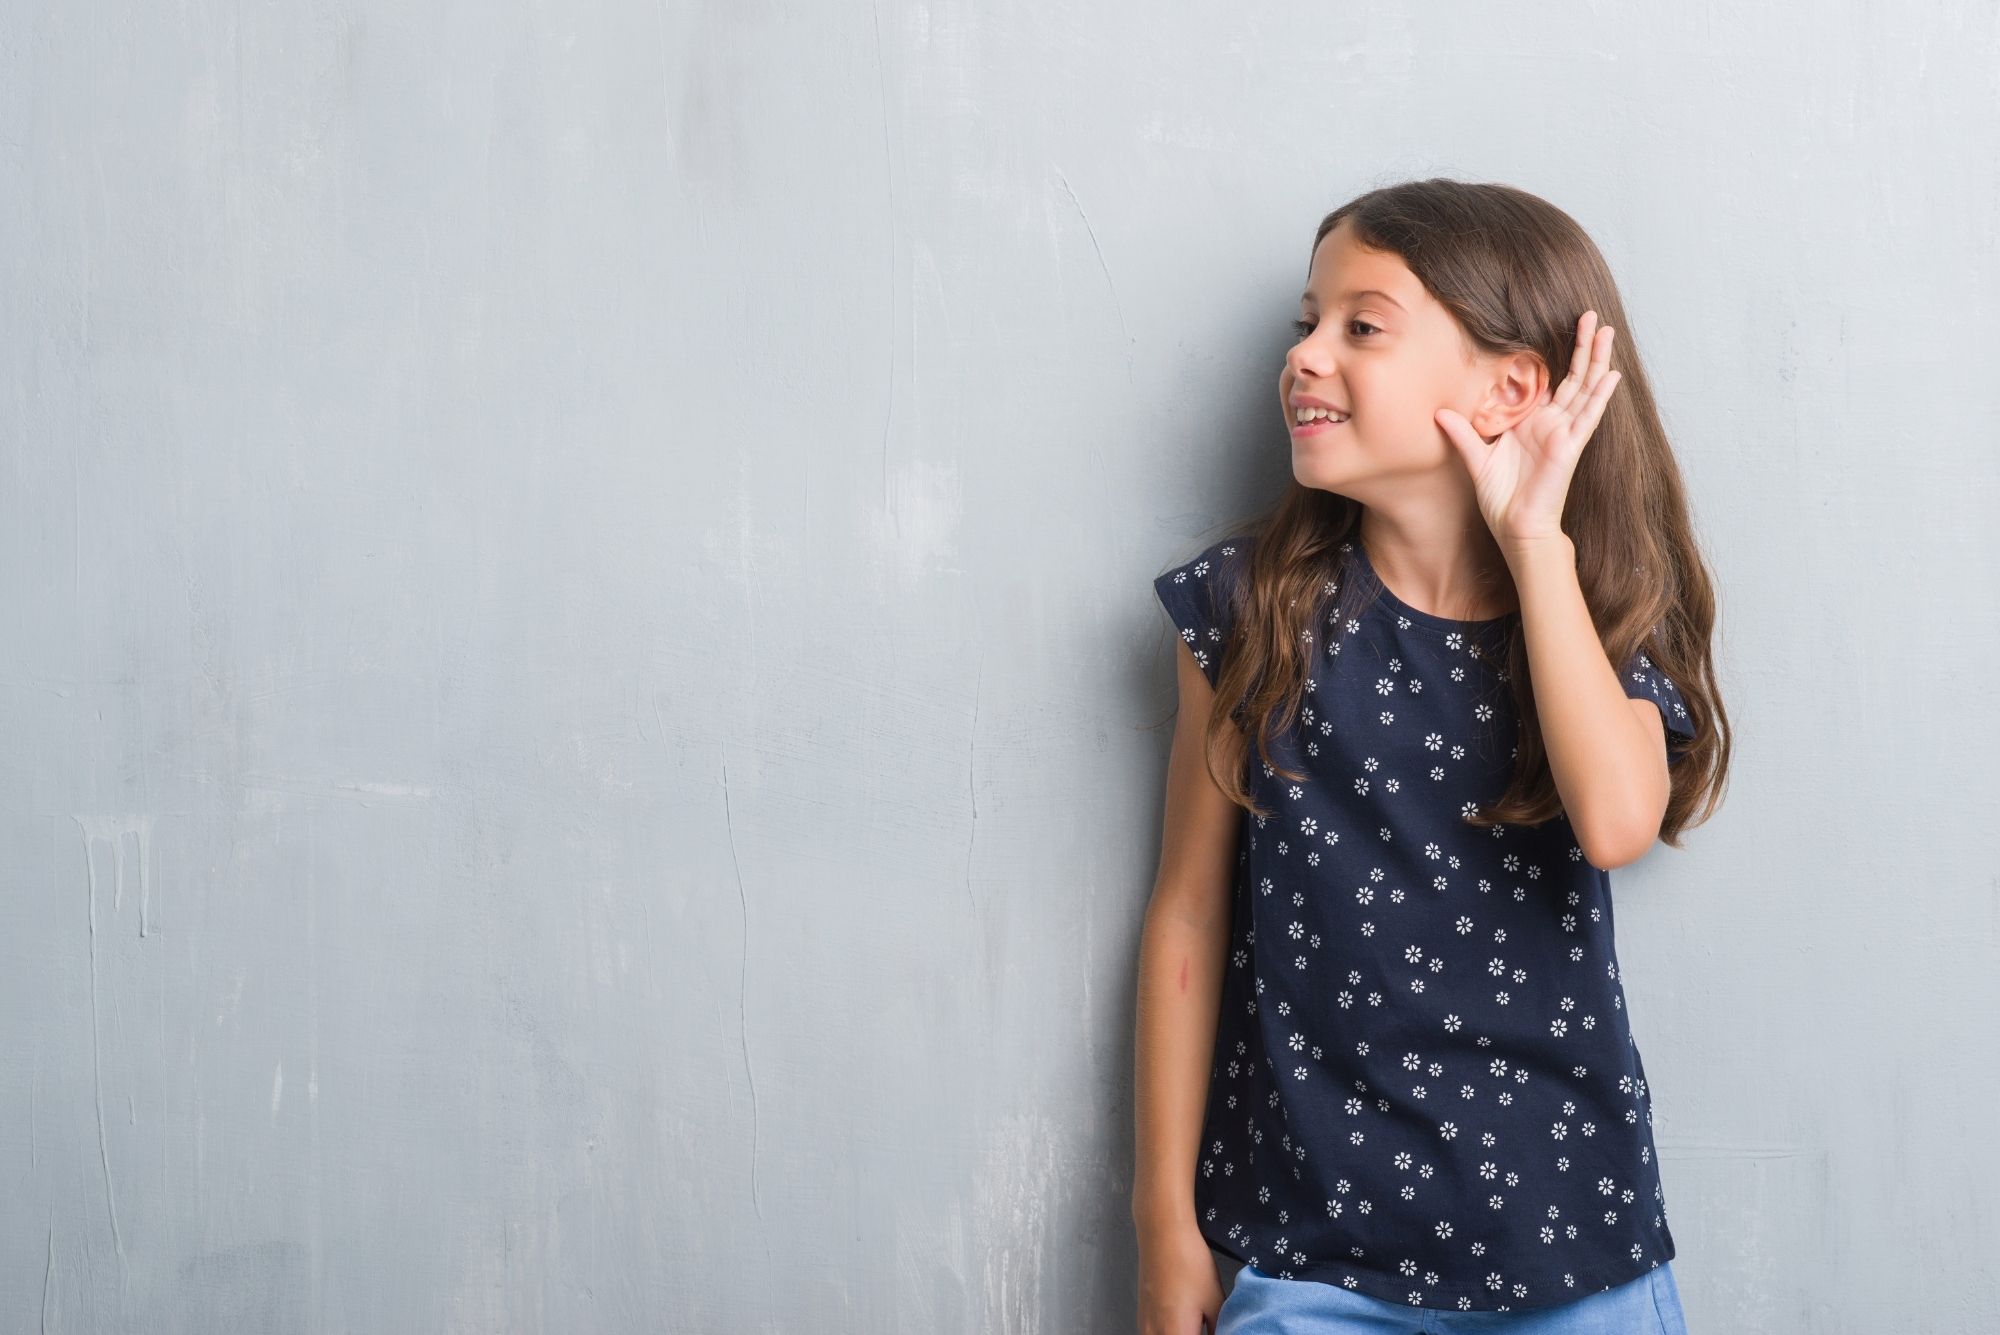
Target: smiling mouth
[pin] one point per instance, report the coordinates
(1317, 425)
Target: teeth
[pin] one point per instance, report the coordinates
(1314, 414)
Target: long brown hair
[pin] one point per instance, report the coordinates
(1516, 273)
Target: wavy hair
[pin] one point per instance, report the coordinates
(1516, 273)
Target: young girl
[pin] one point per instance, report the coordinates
(1455, 676)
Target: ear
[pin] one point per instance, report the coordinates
(1519, 385)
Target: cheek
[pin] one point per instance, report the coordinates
(1396, 398)
(1381, 398)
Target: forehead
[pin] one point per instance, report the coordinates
(1340, 267)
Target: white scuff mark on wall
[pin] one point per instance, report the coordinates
(384, 789)
(313, 786)
(1013, 1210)
(1383, 44)
(235, 997)
(927, 294)
(110, 831)
(933, 1291)
(917, 530)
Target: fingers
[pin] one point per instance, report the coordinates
(1584, 425)
(1579, 360)
(1602, 396)
(1588, 364)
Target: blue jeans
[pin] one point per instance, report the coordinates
(1262, 1304)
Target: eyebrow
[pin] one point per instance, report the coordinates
(1365, 292)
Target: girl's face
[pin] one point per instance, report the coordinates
(1375, 345)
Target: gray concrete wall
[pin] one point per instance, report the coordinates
(581, 683)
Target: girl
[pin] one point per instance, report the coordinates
(1384, 1056)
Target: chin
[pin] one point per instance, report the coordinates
(1321, 476)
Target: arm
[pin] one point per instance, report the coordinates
(1607, 750)
(1608, 759)
(1181, 959)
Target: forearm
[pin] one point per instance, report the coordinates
(1180, 987)
(1607, 767)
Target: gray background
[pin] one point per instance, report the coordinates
(582, 698)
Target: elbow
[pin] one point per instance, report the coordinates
(1609, 848)
(1619, 856)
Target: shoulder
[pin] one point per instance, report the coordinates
(1644, 680)
(1213, 576)
(1226, 557)
(1202, 595)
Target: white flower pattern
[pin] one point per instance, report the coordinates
(1549, 1102)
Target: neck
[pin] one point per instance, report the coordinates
(1448, 567)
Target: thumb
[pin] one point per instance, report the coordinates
(1471, 446)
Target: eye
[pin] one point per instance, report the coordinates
(1304, 327)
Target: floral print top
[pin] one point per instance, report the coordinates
(1425, 1085)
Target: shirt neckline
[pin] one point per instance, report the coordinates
(1417, 615)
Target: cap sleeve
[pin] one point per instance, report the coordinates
(1196, 596)
(1643, 681)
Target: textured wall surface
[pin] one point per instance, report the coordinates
(582, 696)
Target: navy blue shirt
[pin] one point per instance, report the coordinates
(1425, 1086)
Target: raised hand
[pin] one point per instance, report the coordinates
(1522, 478)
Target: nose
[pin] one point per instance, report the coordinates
(1309, 357)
